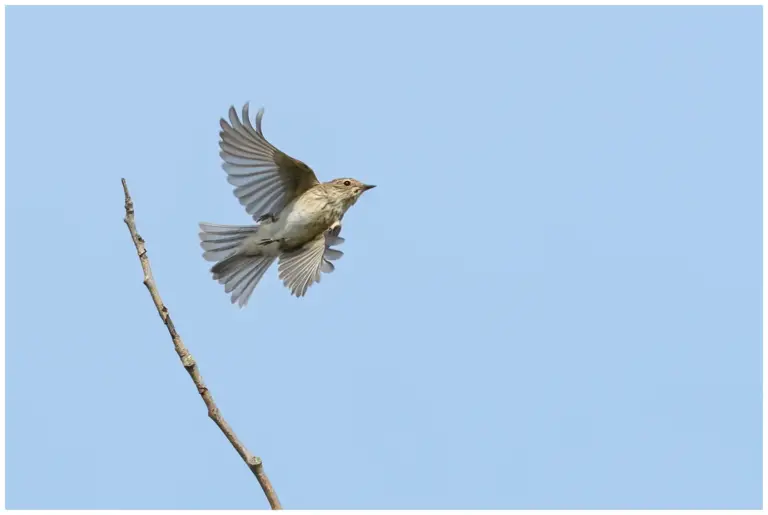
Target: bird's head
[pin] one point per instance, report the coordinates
(348, 190)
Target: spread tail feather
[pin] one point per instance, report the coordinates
(237, 272)
(221, 241)
(240, 274)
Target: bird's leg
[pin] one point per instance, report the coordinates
(267, 241)
(269, 217)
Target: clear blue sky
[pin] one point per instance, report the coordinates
(553, 299)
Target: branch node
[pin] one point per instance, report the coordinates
(188, 361)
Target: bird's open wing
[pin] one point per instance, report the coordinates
(265, 178)
(300, 268)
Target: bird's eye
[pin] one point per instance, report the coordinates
(347, 183)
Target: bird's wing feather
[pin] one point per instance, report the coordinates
(265, 178)
(300, 268)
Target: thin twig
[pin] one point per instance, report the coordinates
(253, 462)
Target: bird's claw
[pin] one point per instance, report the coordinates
(335, 229)
(268, 241)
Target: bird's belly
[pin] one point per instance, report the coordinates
(300, 225)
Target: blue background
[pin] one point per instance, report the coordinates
(553, 299)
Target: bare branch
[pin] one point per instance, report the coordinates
(253, 462)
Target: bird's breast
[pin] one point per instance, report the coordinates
(302, 220)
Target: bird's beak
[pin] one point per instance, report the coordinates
(367, 187)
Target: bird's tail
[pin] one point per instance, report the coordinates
(240, 274)
(237, 272)
(221, 241)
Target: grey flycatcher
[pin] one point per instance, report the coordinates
(298, 217)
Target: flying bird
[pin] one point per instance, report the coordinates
(298, 218)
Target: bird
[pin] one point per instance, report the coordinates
(298, 218)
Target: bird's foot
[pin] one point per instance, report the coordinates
(268, 218)
(335, 229)
(268, 241)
